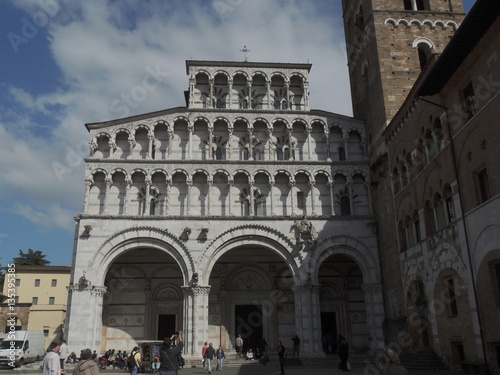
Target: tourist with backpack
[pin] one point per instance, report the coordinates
(134, 361)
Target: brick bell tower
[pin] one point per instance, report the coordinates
(389, 43)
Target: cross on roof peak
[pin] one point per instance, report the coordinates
(245, 50)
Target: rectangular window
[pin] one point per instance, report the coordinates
(37, 282)
(300, 200)
(18, 282)
(469, 99)
(484, 185)
(54, 283)
(46, 331)
(52, 300)
(452, 298)
(34, 300)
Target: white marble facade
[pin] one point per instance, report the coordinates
(244, 212)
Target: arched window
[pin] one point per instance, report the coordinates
(277, 104)
(279, 154)
(341, 153)
(218, 153)
(287, 154)
(246, 207)
(345, 205)
(246, 154)
(244, 104)
(284, 104)
(424, 54)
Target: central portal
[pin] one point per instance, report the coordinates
(166, 325)
(248, 324)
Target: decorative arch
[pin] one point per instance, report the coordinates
(134, 238)
(427, 41)
(348, 246)
(250, 234)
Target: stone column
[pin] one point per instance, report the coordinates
(290, 144)
(229, 94)
(374, 315)
(366, 184)
(167, 196)
(308, 320)
(291, 184)
(308, 132)
(84, 317)
(195, 319)
(251, 198)
(250, 143)
(145, 211)
(192, 84)
(107, 183)
(229, 148)
(209, 199)
(268, 89)
(88, 185)
(210, 97)
(190, 142)
(170, 140)
(332, 197)
(188, 197)
(249, 87)
(151, 138)
(211, 155)
(126, 201)
(306, 95)
(344, 143)
(271, 197)
(349, 192)
(230, 197)
(287, 87)
(313, 203)
(326, 136)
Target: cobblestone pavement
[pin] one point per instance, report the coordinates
(272, 369)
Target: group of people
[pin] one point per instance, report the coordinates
(209, 354)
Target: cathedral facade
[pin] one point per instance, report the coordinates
(247, 212)
(244, 212)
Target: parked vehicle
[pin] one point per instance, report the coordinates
(20, 347)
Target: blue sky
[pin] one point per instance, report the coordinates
(65, 63)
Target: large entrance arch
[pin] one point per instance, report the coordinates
(144, 299)
(251, 294)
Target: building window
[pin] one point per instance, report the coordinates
(287, 153)
(244, 104)
(277, 104)
(37, 282)
(345, 205)
(452, 298)
(52, 300)
(469, 99)
(341, 153)
(54, 283)
(18, 282)
(218, 153)
(484, 185)
(45, 331)
(284, 104)
(279, 154)
(300, 200)
(34, 300)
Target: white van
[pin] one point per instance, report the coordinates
(20, 347)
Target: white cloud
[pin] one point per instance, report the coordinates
(106, 49)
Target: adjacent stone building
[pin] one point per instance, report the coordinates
(245, 212)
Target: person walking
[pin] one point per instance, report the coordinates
(296, 345)
(391, 364)
(86, 366)
(63, 353)
(239, 346)
(51, 361)
(169, 363)
(204, 353)
(221, 356)
(343, 353)
(210, 353)
(134, 361)
(282, 354)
